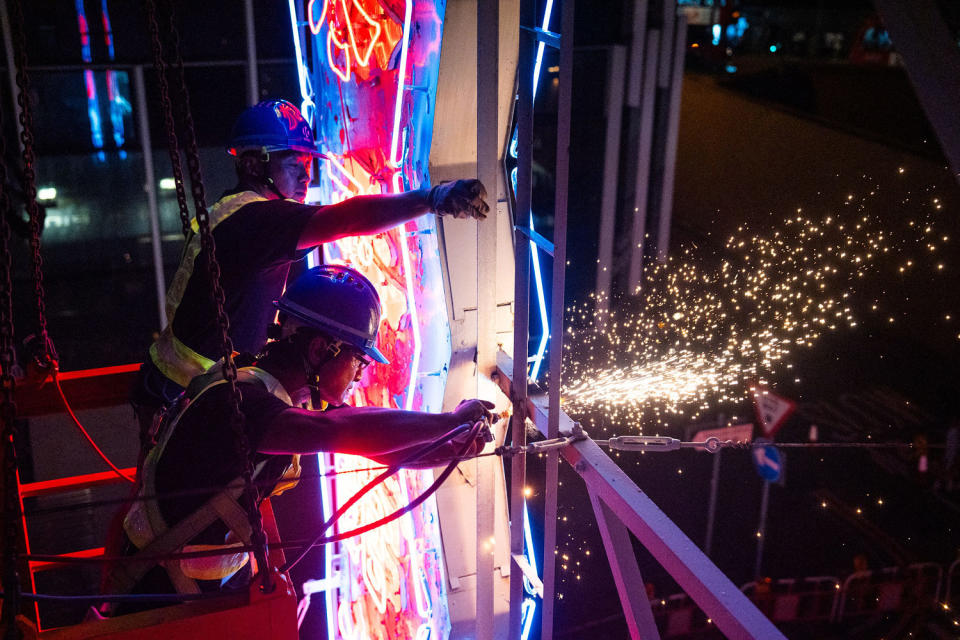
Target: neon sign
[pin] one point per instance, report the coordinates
(376, 133)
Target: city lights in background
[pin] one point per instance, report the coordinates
(47, 193)
(118, 105)
(93, 107)
(363, 58)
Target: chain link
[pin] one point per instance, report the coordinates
(30, 178)
(229, 368)
(173, 147)
(8, 408)
(186, 118)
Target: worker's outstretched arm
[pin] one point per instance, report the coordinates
(365, 431)
(364, 215)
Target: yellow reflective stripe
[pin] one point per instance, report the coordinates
(172, 357)
(212, 567)
(176, 360)
(290, 477)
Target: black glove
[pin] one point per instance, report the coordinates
(473, 410)
(460, 199)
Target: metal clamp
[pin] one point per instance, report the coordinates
(575, 434)
(642, 443)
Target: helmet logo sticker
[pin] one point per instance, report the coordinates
(289, 113)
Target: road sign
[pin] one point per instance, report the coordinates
(772, 409)
(767, 462)
(737, 433)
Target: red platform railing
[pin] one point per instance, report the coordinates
(254, 615)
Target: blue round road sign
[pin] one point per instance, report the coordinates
(767, 462)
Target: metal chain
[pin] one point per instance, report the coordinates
(8, 425)
(173, 146)
(45, 358)
(229, 368)
(8, 408)
(186, 118)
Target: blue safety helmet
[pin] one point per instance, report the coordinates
(272, 125)
(339, 301)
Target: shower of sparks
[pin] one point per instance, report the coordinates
(707, 324)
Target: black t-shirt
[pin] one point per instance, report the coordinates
(254, 249)
(202, 452)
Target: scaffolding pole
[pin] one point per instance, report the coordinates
(556, 312)
(521, 312)
(150, 188)
(253, 74)
(616, 70)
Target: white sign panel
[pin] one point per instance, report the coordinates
(737, 433)
(772, 410)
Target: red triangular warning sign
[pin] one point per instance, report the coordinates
(772, 409)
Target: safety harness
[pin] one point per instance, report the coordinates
(149, 532)
(172, 357)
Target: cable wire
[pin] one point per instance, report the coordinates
(129, 597)
(319, 539)
(392, 469)
(84, 432)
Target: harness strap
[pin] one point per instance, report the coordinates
(125, 575)
(147, 529)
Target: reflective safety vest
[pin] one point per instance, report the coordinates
(172, 357)
(147, 529)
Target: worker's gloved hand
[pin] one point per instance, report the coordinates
(469, 411)
(460, 199)
(478, 442)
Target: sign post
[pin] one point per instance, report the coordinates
(766, 460)
(737, 433)
(761, 530)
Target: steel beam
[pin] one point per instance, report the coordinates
(488, 37)
(732, 612)
(672, 114)
(521, 313)
(564, 103)
(253, 74)
(932, 61)
(727, 606)
(642, 176)
(150, 188)
(626, 573)
(616, 70)
(11, 71)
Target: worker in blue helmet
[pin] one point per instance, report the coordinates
(328, 328)
(260, 228)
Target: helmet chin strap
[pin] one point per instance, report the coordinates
(267, 180)
(313, 373)
(273, 187)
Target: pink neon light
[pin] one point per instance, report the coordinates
(332, 40)
(395, 574)
(358, 28)
(364, 59)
